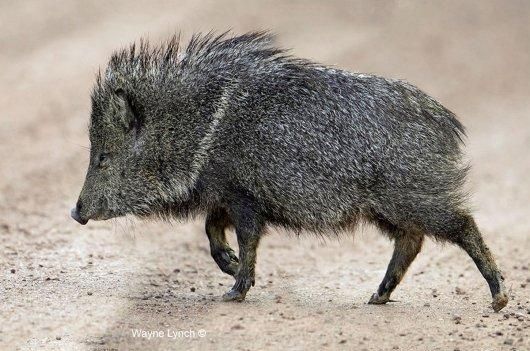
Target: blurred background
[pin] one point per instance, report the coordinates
(63, 286)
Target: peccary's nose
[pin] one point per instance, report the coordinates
(75, 214)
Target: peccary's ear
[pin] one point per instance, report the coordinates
(127, 115)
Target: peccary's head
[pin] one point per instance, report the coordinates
(139, 154)
(118, 180)
(144, 132)
(150, 111)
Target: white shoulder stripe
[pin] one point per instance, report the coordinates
(201, 156)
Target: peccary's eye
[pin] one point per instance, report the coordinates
(103, 159)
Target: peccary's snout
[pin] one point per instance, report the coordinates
(75, 214)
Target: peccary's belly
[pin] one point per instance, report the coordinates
(308, 190)
(313, 205)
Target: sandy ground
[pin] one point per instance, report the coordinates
(66, 287)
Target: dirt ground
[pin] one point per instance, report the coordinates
(67, 287)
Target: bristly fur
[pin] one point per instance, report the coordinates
(237, 129)
(209, 51)
(212, 65)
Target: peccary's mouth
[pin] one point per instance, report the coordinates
(106, 214)
(81, 220)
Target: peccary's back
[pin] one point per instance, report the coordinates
(319, 147)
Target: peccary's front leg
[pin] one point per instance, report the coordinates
(248, 232)
(222, 253)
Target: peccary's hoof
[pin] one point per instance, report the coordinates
(227, 261)
(234, 295)
(378, 300)
(499, 301)
(231, 262)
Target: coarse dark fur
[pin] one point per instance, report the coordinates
(234, 128)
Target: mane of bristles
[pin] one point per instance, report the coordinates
(208, 51)
(140, 59)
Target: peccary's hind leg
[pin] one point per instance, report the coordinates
(248, 230)
(468, 237)
(222, 253)
(406, 246)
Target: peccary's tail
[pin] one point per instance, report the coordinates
(444, 116)
(440, 116)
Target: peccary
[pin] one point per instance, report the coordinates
(239, 130)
